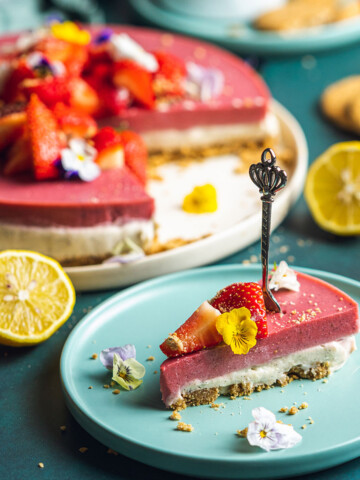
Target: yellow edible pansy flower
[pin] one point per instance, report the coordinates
(71, 33)
(237, 329)
(201, 200)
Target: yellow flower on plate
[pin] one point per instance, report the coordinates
(71, 33)
(237, 329)
(201, 200)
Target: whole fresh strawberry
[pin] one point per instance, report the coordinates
(136, 79)
(45, 139)
(247, 295)
(169, 79)
(136, 154)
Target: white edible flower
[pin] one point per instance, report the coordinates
(30, 39)
(267, 434)
(79, 159)
(284, 277)
(203, 82)
(124, 47)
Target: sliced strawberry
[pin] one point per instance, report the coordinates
(115, 100)
(110, 148)
(76, 60)
(136, 154)
(45, 139)
(83, 97)
(111, 157)
(19, 157)
(136, 79)
(247, 295)
(73, 56)
(74, 123)
(106, 137)
(198, 332)
(11, 92)
(50, 90)
(11, 126)
(169, 79)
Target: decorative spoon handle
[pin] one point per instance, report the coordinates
(269, 179)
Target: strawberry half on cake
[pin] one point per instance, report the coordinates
(232, 346)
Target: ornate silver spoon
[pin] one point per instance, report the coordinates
(269, 179)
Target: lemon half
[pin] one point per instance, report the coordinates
(332, 189)
(36, 297)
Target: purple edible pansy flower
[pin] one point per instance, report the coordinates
(103, 36)
(206, 83)
(125, 352)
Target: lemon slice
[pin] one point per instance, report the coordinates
(332, 189)
(36, 297)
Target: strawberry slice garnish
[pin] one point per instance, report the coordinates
(83, 97)
(110, 148)
(136, 79)
(11, 124)
(73, 56)
(198, 332)
(105, 138)
(247, 295)
(45, 139)
(74, 123)
(10, 92)
(115, 100)
(169, 79)
(50, 90)
(18, 156)
(136, 154)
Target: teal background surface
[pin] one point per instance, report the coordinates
(32, 407)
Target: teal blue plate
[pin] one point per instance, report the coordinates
(136, 423)
(242, 38)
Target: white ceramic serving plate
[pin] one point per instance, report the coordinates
(214, 247)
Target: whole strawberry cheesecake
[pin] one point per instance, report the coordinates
(86, 114)
(232, 346)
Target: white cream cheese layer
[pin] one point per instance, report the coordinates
(64, 243)
(200, 136)
(335, 353)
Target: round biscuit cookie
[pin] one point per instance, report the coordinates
(298, 14)
(354, 114)
(337, 103)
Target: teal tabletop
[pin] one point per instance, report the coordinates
(32, 407)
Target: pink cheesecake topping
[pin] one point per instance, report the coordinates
(114, 194)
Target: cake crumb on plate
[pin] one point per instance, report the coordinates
(175, 415)
(184, 427)
(293, 410)
(242, 433)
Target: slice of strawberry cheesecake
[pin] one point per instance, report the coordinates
(232, 346)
